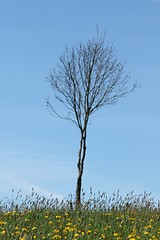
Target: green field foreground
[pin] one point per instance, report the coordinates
(117, 218)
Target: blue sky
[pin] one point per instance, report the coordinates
(38, 150)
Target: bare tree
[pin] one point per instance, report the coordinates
(88, 77)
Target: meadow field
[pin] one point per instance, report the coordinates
(35, 217)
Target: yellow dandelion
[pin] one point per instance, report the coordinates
(3, 232)
(89, 231)
(103, 236)
(115, 234)
(2, 223)
(34, 228)
(24, 229)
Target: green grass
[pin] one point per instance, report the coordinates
(117, 218)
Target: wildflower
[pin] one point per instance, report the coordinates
(34, 228)
(76, 235)
(103, 236)
(24, 229)
(68, 224)
(3, 232)
(2, 223)
(57, 237)
(7, 213)
(89, 231)
(131, 237)
(17, 233)
(58, 216)
(13, 212)
(115, 234)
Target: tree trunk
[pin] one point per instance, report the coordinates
(78, 191)
(80, 166)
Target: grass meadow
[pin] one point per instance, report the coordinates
(117, 218)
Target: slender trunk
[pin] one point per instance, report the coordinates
(80, 166)
(78, 191)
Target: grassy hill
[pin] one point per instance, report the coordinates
(117, 218)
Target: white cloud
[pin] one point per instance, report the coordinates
(39, 169)
(21, 172)
(13, 182)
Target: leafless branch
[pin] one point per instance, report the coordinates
(88, 77)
